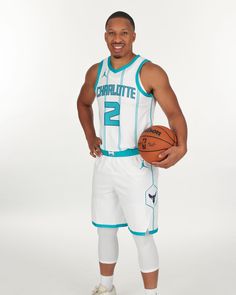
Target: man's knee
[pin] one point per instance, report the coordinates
(106, 231)
(147, 253)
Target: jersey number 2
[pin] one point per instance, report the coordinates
(115, 111)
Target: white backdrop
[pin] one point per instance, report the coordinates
(48, 244)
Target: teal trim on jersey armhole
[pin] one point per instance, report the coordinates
(98, 75)
(137, 79)
(110, 225)
(138, 233)
(123, 67)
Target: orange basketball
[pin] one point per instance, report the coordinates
(154, 140)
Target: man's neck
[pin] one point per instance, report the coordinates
(118, 62)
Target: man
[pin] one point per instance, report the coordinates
(127, 87)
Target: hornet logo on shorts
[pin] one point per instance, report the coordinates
(151, 196)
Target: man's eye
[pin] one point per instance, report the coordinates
(110, 33)
(125, 33)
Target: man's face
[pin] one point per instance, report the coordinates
(119, 36)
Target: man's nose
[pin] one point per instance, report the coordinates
(117, 38)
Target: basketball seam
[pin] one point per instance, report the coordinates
(156, 138)
(167, 133)
(152, 150)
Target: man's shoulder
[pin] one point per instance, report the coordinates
(150, 66)
(92, 71)
(93, 68)
(149, 69)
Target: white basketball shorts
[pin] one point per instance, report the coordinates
(125, 192)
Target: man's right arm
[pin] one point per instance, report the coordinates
(85, 111)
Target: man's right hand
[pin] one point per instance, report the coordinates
(94, 146)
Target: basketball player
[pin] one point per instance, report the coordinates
(125, 189)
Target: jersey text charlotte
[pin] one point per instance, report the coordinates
(117, 90)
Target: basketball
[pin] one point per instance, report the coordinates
(155, 140)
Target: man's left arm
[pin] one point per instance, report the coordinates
(160, 87)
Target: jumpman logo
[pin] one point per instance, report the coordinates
(143, 165)
(104, 74)
(152, 197)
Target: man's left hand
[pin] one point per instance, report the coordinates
(170, 156)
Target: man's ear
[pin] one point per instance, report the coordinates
(134, 36)
(105, 36)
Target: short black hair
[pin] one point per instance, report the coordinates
(121, 14)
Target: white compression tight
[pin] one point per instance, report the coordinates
(108, 249)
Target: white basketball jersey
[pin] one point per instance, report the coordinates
(125, 108)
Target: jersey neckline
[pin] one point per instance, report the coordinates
(124, 66)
